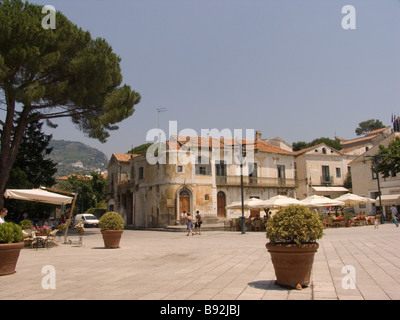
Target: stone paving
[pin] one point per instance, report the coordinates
(216, 265)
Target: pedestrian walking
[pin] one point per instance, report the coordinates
(198, 223)
(395, 221)
(376, 225)
(189, 224)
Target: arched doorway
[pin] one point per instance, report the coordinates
(221, 204)
(184, 201)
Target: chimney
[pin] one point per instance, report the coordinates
(258, 135)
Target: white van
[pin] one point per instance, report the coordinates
(88, 219)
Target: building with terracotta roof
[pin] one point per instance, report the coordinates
(196, 173)
(321, 170)
(365, 181)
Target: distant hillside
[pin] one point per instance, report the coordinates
(76, 157)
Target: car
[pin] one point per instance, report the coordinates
(88, 219)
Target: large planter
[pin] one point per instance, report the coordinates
(292, 263)
(9, 253)
(111, 238)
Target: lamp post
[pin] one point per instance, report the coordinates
(241, 159)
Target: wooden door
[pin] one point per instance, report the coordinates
(221, 204)
(184, 204)
(254, 213)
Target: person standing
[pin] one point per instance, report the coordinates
(183, 217)
(189, 224)
(197, 225)
(3, 213)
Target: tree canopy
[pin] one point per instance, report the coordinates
(52, 73)
(369, 125)
(303, 145)
(389, 158)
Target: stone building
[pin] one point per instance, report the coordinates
(365, 181)
(196, 173)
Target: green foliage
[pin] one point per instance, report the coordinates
(111, 221)
(25, 224)
(348, 216)
(303, 145)
(142, 149)
(53, 73)
(295, 224)
(67, 153)
(366, 126)
(91, 190)
(10, 233)
(389, 158)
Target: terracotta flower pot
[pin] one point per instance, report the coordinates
(111, 238)
(292, 263)
(9, 253)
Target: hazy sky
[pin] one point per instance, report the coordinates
(285, 67)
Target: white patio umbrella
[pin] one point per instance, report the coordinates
(37, 195)
(276, 202)
(320, 201)
(248, 204)
(351, 199)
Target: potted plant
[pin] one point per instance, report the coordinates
(111, 225)
(80, 227)
(10, 246)
(292, 234)
(26, 224)
(348, 219)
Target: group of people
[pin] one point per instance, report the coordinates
(186, 217)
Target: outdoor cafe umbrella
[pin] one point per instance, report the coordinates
(248, 204)
(351, 199)
(276, 202)
(37, 195)
(320, 201)
(40, 195)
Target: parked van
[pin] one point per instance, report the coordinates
(88, 219)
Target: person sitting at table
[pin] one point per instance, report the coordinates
(3, 213)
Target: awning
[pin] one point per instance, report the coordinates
(389, 198)
(37, 195)
(330, 189)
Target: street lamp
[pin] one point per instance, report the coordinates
(241, 159)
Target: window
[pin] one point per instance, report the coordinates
(252, 170)
(179, 169)
(281, 172)
(323, 150)
(325, 174)
(203, 167)
(220, 169)
(338, 173)
(141, 173)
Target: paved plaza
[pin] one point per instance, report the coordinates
(359, 263)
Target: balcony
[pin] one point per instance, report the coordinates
(255, 182)
(326, 179)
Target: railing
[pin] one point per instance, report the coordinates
(255, 181)
(326, 179)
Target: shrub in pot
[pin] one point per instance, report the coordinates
(292, 233)
(10, 246)
(111, 225)
(348, 218)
